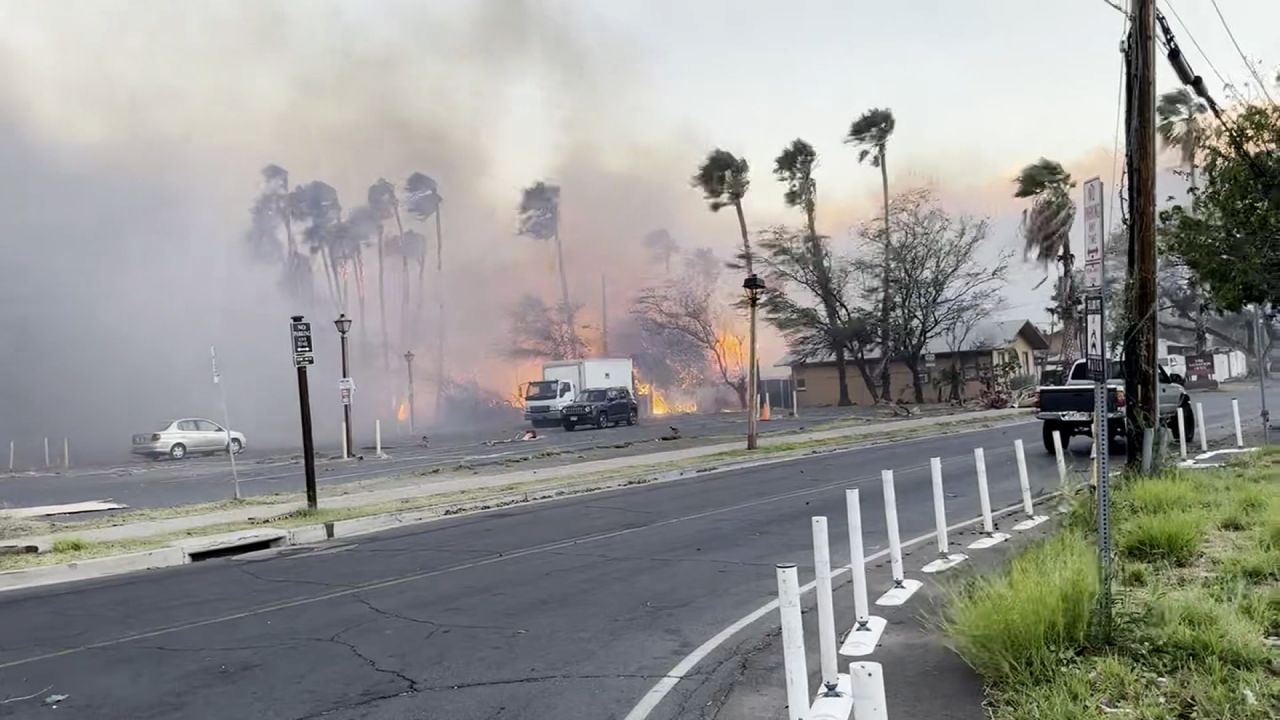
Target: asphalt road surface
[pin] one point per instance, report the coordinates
(568, 609)
(145, 484)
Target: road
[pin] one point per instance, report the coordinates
(568, 609)
(147, 484)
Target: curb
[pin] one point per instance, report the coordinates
(90, 569)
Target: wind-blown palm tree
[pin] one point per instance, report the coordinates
(423, 200)
(317, 205)
(661, 246)
(794, 166)
(723, 179)
(1046, 229)
(1180, 128)
(382, 200)
(540, 219)
(361, 225)
(871, 133)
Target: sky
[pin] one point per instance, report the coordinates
(132, 133)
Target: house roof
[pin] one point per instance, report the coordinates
(986, 334)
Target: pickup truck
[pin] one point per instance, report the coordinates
(1068, 408)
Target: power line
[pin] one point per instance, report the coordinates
(1252, 70)
(1226, 84)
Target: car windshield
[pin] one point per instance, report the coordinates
(541, 390)
(594, 395)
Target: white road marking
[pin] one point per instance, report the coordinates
(663, 687)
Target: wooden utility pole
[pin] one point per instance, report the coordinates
(604, 317)
(1140, 340)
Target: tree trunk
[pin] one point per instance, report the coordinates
(740, 388)
(440, 365)
(886, 296)
(917, 381)
(842, 375)
(359, 270)
(404, 266)
(382, 299)
(746, 241)
(867, 380)
(564, 286)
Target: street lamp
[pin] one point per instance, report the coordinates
(343, 323)
(754, 286)
(408, 358)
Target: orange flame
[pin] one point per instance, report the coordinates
(402, 411)
(659, 404)
(732, 348)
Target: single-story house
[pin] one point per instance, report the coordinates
(989, 344)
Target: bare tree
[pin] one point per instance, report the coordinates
(687, 307)
(939, 281)
(538, 331)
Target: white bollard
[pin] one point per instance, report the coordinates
(793, 659)
(1024, 484)
(10, 456)
(984, 499)
(826, 610)
(46, 452)
(943, 561)
(1235, 412)
(902, 588)
(868, 691)
(1204, 430)
(984, 493)
(867, 628)
(345, 450)
(1182, 433)
(1062, 458)
(377, 436)
(795, 403)
(66, 453)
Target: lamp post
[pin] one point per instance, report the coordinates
(343, 323)
(754, 286)
(408, 358)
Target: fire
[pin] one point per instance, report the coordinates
(730, 345)
(659, 404)
(402, 411)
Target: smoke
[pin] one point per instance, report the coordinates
(131, 137)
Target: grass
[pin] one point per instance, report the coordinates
(1197, 591)
(70, 545)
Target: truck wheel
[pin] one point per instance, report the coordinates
(632, 417)
(568, 427)
(1046, 433)
(602, 420)
(1188, 419)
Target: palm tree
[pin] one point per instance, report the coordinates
(360, 225)
(723, 179)
(1046, 229)
(794, 166)
(871, 133)
(661, 246)
(422, 197)
(1180, 128)
(540, 219)
(382, 200)
(317, 205)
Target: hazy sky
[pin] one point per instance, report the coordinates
(132, 133)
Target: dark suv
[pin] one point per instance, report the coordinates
(600, 407)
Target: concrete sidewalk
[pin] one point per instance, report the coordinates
(399, 488)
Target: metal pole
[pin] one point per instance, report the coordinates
(46, 449)
(891, 523)
(1262, 377)
(826, 610)
(939, 510)
(66, 453)
(226, 421)
(1024, 482)
(1204, 430)
(752, 380)
(408, 359)
(604, 316)
(793, 659)
(984, 494)
(857, 562)
(308, 448)
(377, 436)
(346, 408)
(10, 456)
(1235, 413)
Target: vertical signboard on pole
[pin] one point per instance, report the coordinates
(1096, 357)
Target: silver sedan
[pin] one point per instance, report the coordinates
(179, 438)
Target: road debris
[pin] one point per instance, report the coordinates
(67, 509)
(522, 436)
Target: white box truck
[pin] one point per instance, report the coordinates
(564, 380)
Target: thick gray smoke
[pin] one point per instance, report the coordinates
(131, 136)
